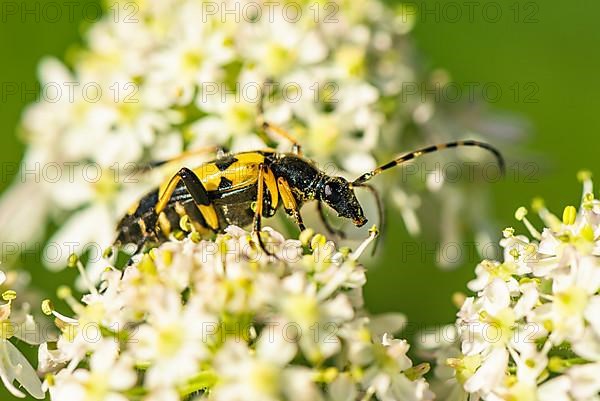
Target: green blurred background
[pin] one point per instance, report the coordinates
(552, 45)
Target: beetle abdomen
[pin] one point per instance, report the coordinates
(235, 207)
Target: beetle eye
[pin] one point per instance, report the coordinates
(332, 192)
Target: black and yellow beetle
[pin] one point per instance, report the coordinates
(242, 188)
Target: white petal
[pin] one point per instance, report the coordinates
(23, 210)
(588, 345)
(496, 296)
(556, 389)
(273, 346)
(387, 323)
(490, 373)
(526, 303)
(592, 313)
(14, 366)
(585, 380)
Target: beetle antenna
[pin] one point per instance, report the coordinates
(430, 149)
(380, 211)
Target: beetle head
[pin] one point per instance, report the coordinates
(338, 194)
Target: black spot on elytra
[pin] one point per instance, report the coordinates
(224, 163)
(225, 184)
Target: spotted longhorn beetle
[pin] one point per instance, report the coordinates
(242, 188)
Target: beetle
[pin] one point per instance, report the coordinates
(243, 188)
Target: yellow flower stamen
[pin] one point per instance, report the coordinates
(49, 378)
(373, 233)
(64, 292)
(569, 215)
(146, 265)
(584, 175)
(185, 224)
(520, 213)
(520, 216)
(47, 307)
(72, 261)
(587, 233)
(537, 204)
(508, 232)
(326, 375)
(588, 201)
(9, 295)
(317, 241)
(195, 237)
(108, 252)
(306, 236)
(416, 372)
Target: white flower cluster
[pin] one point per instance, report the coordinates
(220, 320)
(158, 77)
(532, 332)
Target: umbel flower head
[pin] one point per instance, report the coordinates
(159, 77)
(221, 320)
(532, 331)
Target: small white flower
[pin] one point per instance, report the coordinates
(259, 376)
(172, 340)
(108, 376)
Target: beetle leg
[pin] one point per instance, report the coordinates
(269, 127)
(299, 220)
(139, 248)
(221, 152)
(271, 184)
(190, 153)
(289, 202)
(132, 169)
(196, 190)
(272, 128)
(330, 229)
(263, 173)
